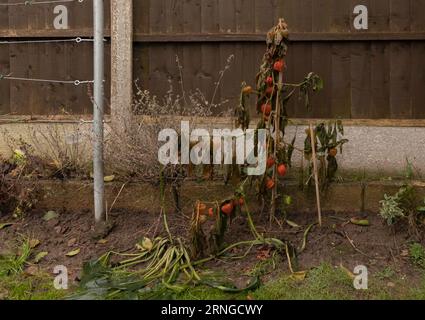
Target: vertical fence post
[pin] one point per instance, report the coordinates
(98, 112)
(121, 62)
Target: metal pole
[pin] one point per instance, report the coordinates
(98, 103)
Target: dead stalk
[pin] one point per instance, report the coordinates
(316, 174)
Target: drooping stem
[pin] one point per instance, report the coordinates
(316, 173)
(162, 195)
(251, 223)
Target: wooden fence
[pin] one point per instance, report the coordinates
(377, 73)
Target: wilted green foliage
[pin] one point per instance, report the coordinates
(398, 206)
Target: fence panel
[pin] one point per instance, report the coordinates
(370, 74)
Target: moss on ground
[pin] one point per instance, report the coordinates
(322, 283)
(22, 287)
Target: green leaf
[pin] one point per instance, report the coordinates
(40, 256)
(34, 243)
(146, 244)
(73, 253)
(361, 223)
(287, 200)
(109, 178)
(50, 215)
(6, 225)
(292, 224)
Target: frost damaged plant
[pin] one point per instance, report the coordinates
(390, 209)
(132, 144)
(403, 207)
(65, 151)
(273, 94)
(329, 141)
(59, 151)
(18, 195)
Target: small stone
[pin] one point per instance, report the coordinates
(405, 253)
(72, 242)
(31, 271)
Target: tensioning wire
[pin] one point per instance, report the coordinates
(74, 82)
(33, 3)
(76, 40)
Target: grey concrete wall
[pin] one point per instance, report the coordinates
(379, 150)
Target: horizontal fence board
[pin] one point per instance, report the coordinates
(362, 80)
(374, 74)
(40, 18)
(59, 61)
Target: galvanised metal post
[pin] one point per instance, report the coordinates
(98, 112)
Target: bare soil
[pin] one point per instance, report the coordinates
(337, 242)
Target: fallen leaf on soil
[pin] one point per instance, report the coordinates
(40, 256)
(292, 224)
(50, 216)
(146, 244)
(298, 276)
(348, 272)
(102, 241)
(5, 225)
(73, 253)
(359, 222)
(109, 178)
(34, 243)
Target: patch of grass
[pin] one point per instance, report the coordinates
(386, 274)
(16, 285)
(15, 263)
(322, 283)
(417, 254)
(21, 287)
(208, 293)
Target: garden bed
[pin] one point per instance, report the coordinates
(384, 250)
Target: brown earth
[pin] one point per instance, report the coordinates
(377, 246)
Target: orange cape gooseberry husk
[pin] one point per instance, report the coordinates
(270, 184)
(247, 90)
(270, 162)
(269, 81)
(333, 152)
(279, 65)
(281, 170)
(227, 208)
(266, 109)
